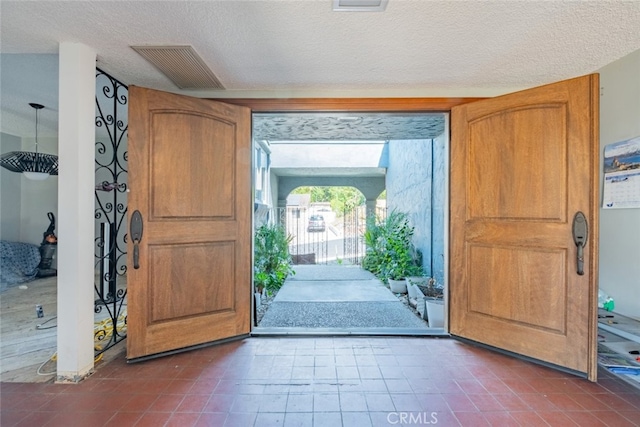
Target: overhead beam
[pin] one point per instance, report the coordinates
(348, 104)
(370, 187)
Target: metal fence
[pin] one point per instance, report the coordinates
(339, 242)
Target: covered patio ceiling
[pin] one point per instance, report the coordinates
(322, 127)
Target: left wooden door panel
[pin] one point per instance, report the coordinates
(189, 162)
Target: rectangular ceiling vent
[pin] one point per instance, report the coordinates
(359, 5)
(182, 65)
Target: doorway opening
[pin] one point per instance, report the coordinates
(326, 225)
(302, 159)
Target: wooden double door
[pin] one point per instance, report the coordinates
(521, 166)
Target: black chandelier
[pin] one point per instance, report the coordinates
(33, 165)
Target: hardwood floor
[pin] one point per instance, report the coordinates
(23, 345)
(27, 342)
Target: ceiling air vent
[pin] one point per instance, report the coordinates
(359, 5)
(182, 65)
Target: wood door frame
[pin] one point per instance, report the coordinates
(371, 105)
(380, 105)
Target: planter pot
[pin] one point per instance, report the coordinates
(421, 306)
(435, 312)
(398, 286)
(412, 290)
(418, 280)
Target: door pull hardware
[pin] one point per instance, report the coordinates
(136, 235)
(580, 234)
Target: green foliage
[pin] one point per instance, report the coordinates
(345, 199)
(318, 194)
(341, 198)
(373, 241)
(390, 253)
(272, 261)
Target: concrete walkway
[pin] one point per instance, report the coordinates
(338, 299)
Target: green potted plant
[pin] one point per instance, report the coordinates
(399, 268)
(272, 261)
(390, 253)
(430, 302)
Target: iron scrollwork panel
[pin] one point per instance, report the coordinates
(110, 211)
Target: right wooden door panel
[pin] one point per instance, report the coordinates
(521, 166)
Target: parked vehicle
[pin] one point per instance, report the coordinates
(316, 223)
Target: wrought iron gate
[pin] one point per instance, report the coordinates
(354, 226)
(308, 245)
(110, 211)
(340, 241)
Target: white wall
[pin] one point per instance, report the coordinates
(28, 78)
(38, 197)
(24, 202)
(10, 193)
(273, 185)
(327, 154)
(620, 228)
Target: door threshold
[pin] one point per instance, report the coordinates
(384, 332)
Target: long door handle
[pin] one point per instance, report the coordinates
(135, 229)
(580, 234)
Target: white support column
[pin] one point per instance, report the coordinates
(76, 152)
(371, 207)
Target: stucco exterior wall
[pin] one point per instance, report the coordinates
(409, 189)
(440, 208)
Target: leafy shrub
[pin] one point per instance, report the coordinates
(390, 253)
(272, 261)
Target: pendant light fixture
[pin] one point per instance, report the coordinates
(34, 165)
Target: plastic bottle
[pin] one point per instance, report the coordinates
(609, 305)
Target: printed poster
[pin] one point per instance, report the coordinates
(622, 175)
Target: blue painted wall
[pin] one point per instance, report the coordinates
(416, 185)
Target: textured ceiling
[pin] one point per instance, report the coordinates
(351, 127)
(303, 45)
(289, 48)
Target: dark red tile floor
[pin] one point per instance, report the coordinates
(326, 382)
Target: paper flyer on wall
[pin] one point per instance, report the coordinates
(622, 174)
